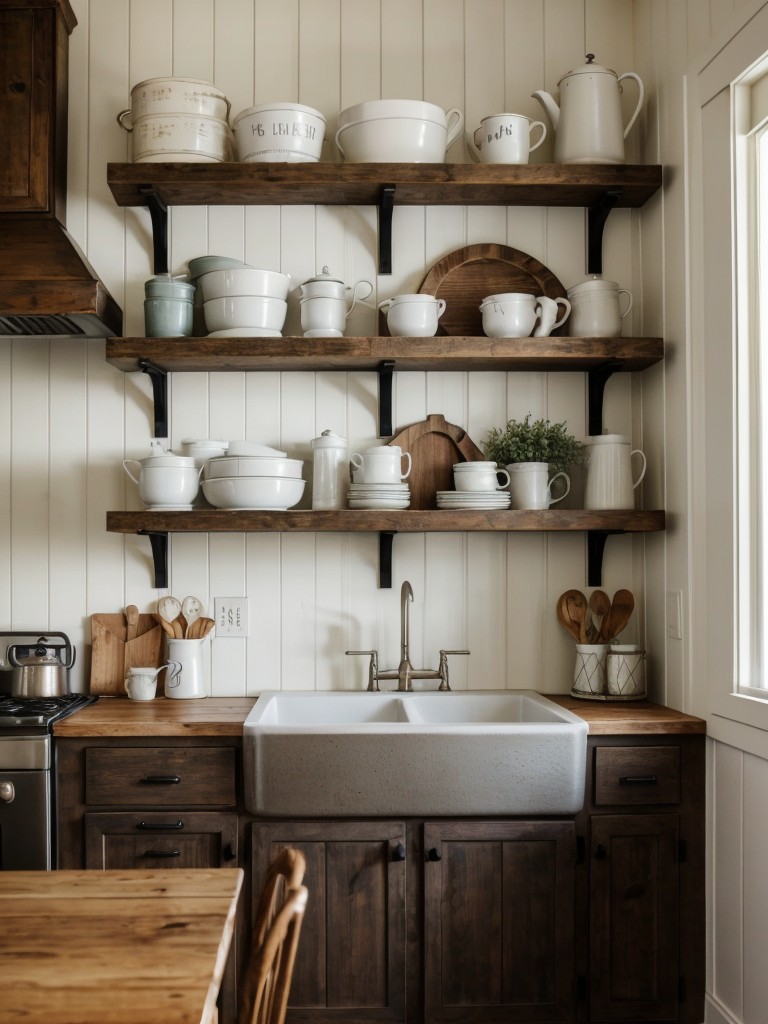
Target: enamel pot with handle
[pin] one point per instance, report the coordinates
(588, 123)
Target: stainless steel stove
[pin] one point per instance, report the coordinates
(27, 803)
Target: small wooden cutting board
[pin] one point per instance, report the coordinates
(435, 446)
(113, 653)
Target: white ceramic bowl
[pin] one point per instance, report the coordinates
(168, 485)
(244, 281)
(253, 465)
(205, 264)
(245, 311)
(158, 136)
(272, 132)
(264, 492)
(397, 131)
(175, 96)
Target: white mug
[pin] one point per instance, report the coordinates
(479, 476)
(530, 486)
(141, 682)
(381, 465)
(609, 483)
(189, 682)
(504, 139)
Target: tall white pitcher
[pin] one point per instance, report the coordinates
(609, 472)
(190, 682)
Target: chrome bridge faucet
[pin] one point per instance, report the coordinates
(405, 672)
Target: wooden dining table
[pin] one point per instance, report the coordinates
(115, 947)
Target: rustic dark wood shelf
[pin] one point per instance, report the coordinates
(368, 353)
(324, 183)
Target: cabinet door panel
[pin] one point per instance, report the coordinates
(634, 917)
(498, 921)
(152, 840)
(351, 959)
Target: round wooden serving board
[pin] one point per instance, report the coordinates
(466, 276)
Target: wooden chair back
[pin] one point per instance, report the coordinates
(271, 968)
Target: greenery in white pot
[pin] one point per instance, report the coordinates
(540, 441)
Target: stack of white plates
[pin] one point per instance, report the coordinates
(473, 499)
(379, 496)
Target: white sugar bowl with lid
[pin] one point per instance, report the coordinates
(323, 304)
(165, 480)
(596, 308)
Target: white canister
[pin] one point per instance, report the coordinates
(625, 672)
(609, 482)
(330, 480)
(190, 682)
(589, 679)
(596, 308)
(269, 132)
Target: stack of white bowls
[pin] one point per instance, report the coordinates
(244, 301)
(397, 131)
(279, 132)
(178, 119)
(253, 476)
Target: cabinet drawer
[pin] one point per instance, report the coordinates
(637, 775)
(160, 776)
(168, 839)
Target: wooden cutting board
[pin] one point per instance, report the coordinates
(466, 276)
(113, 653)
(435, 446)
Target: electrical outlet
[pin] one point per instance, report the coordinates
(231, 615)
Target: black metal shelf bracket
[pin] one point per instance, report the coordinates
(385, 559)
(596, 381)
(385, 371)
(597, 215)
(158, 212)
(386, 208)
(595, 550)
(159, 378)
(158, 539)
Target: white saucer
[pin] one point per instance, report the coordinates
(380, 503)
(168, 508)
(245, 332)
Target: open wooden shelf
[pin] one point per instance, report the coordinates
(437, 353)
(191, 184)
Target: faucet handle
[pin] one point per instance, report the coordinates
(443, 669)
(373, 668)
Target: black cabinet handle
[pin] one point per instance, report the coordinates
(229, 853)
(160, 826)
(161, 853)
(160, 780)
(434, 854)
(399, 852)
(637, 780)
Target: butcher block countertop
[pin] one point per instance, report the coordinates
(224, 716)
(115, 947)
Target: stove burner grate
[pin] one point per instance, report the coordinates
(40, 710)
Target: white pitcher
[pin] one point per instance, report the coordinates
(609, 472)
(190, 682)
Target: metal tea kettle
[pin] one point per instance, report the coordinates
(39, 669)
(588, 123)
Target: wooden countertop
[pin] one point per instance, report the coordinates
(224, 716)
(115, 947)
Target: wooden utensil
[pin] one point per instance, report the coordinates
(564, 618)
(200, 628)
(191, 609)
(599, 606)
(131, 622)
(622, 606)
(167, 626)
(576, 605)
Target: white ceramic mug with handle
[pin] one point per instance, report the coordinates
(530, 486)
(504, 139)
(381, 465)
(141, 681)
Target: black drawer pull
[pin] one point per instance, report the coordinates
(398, 853)
(433, 854)
(161, 853)
(160, 780)
(160, 826)
(637, 780)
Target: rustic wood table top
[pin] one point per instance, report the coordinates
(113, 947)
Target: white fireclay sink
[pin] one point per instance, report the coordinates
(351, 754)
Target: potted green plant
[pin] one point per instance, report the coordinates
(530, 451)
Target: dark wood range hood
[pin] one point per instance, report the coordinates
(47, 286)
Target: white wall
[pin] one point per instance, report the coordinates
(69, 419)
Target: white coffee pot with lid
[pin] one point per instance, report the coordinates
(588, 122)
(323, 303)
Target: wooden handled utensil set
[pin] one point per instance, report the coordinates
(597, 619)
(183, 620)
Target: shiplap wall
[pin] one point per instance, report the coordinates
(68, 419)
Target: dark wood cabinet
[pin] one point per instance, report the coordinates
(351, 959)
(189, 839)
(499, 921)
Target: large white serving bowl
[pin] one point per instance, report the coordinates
(269, 132)
(370, 109)
(397, 131)
(219, 284)
(245, 311)
(253, 492)
(230, 466)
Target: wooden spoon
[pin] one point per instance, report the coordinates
(622, 606)
(167, 626)
(132, 622)
(564, 618)
(576, 604)
(203, 626)
(599, 606)
(169, 607)
(191, 609)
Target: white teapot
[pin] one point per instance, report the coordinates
(588, 123)
(323, 304)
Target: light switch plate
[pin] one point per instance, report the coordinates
(231, 614)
